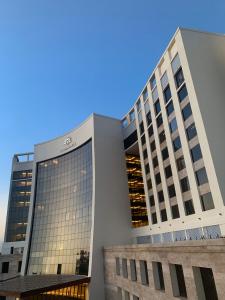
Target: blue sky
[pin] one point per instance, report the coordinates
(61, 60)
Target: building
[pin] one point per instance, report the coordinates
(149, 188)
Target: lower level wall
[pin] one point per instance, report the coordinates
(200, 261)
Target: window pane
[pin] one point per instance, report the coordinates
(189, 208)
(149, 118)
(186, 111)
(167, 94)
(169, 108)
(158, 178)
(180, 163)
(152, 82)
(177, 144)
(179, 78)
(150, 131)
(196, 153)
(207, 202)
(168, 171)
(155, 162)
(191, 131)
(159, 120)
(165, 153)
(157, 107)
(184, 184)
(151, 200)
(175, 211)
(173, 125)
(152, 146)
(162, 137)
(201, 176)
(154, 218)
(163, 215)
(161, 196)
(171, 191)
(182, 94)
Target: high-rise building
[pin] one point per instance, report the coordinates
(153, 181)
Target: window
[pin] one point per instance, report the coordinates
(170, 108)
(176, 144)
(171, 191)
(155, 162)
(145, 94)
(161, 196)
(186, 111)
(124, 268)
(177, 280)
(179, 78)
(159, 120)
(189, 208)
(175, 211)
(191, 131)
(149, 184)
(150, 131)
(141, 126)
(157, 107)
(152, 146)
(207, 202)
(205, 283)
(165, 153)
(147, 169)
(158, 275)
(173, 125)
(59, 269)
(163, 215)
(154, 218)
(138, 105)
(201, 176)
(158, 178)
(162, 137)
(167, 94)
(184, 184)
(124, 123)
(19, 266)
(132, 116)
(144, 272)
(182, 94)
(5, 267)
(145, 154)
(143, 140)
(151, 200)
(152, 82)
(133, 270)
(196, 153)
(180, 163)
(149, 118)
(168, 171)
(117, 266)
(11, 250)
(127, 295)
(130, 140)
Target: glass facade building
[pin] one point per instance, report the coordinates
(61, 229)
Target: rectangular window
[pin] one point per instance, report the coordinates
(169, 108)
(144, 272)
(162, 137)
(143, 140)
(205, 283)
(179, 78)
(207, 202)
(132, 116)
(152, 146)
(186, 112)
(171, 191)
(201, 176)
(159, 120)
(133, 270)
(180, 163)
(127, 295)
(149, 118)
(184, 183)
(167, 94)
(149, 183)
(19, 266)
(141, 126)
(151, 200)
(124, 123)
(145, 94)
(5, 267)
(147, 169)
(117, 266)
(196, 153)
(182, 94)
(138, 105)
(155, 162)
(165, 153)
(163, 215)
(175, 212)
(158, 178)
(177, 280)
(189, 208)
(150, 131)
(191, 131)
(124, 268)
(173, 125)
(168, 172)
(176, 144)
(152, 82)
(59, 269)
(161, 196)
(158, 275)
(157, 107)
(154, 218)
(145, 154)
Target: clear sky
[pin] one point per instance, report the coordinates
(61, 60)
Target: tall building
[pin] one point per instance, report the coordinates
(149, 188)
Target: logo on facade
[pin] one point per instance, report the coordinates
(68, 141)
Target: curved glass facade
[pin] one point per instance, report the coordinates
(61, 233)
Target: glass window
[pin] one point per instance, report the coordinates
(155, 162)
(165, 153)
(144, 272)
(179, 78)
(124, 123)
(158, 275)
(145, 154)
(169, 108)
(167, 94)
(5, 267)
(180, 163)
(159, 120)
(162, 137)
(151, 200)
(189, 208)
(149, 118)
(175, 211)
(161, 196)
(176, 63)
(185, 184)
(186, 111)
(150, 131)
(149, 183)
(152, 82)
(130, 140)
(168, 171)
(191, 131)
(145, 94)
(138, 105)
(133, 270)
(141, 125)
(143, 140)
(132, 116)
(154, 218)
(178, 281)
(157, 107)
(147, 169)
(196, 153)
(173, 125)
(182, 94)
(163, 215)
(171, 191)
(207, 202)
(152, 146)
(117, 266)
(124, 268)
(158, 178)
(176, 144)
(201, 176)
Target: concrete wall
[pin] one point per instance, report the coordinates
(13, 265)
